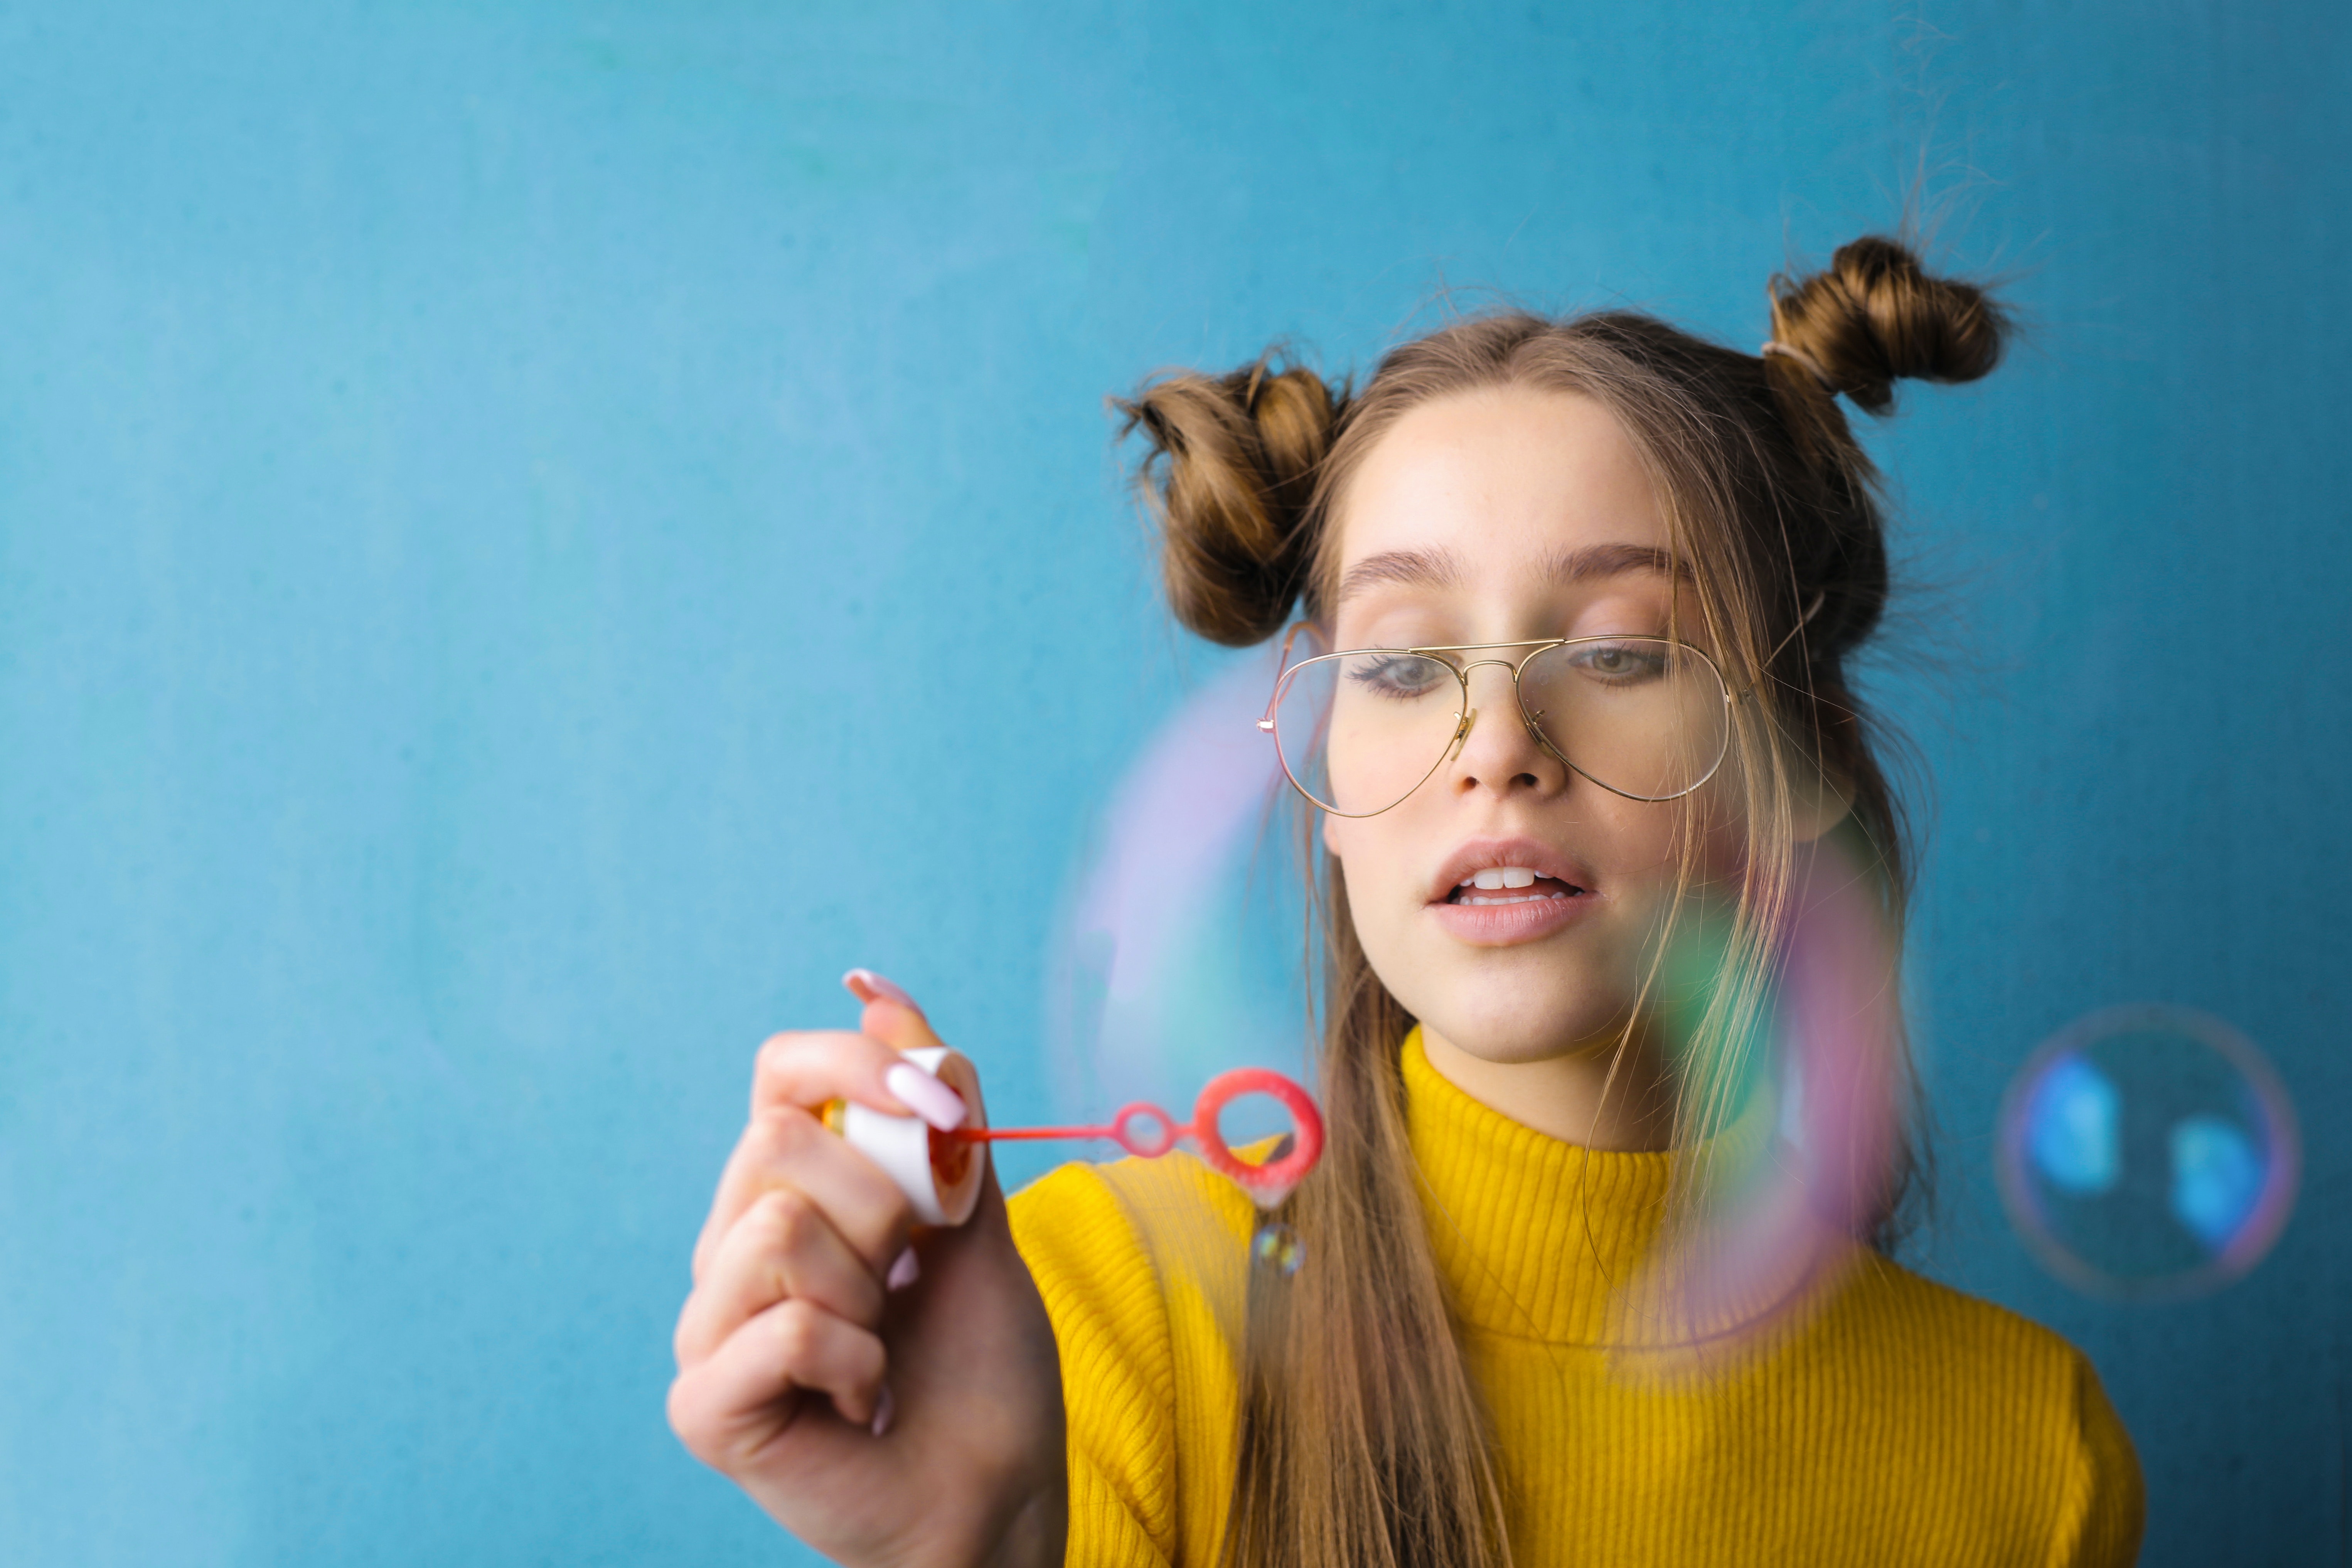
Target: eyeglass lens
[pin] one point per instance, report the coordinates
(1640, 716)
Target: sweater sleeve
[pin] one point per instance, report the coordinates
(1110, 1325)
(2105, 1507)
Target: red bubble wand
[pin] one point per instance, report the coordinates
(1146, 1131)
(938, 1176)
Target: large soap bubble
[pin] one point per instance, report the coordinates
(2147, 1153)
(1181, 953)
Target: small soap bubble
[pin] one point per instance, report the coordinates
(1277, 1246)
(2147, 1153)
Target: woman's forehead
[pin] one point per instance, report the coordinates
(1499, 485)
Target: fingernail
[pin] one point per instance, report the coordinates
(866, 986)
(903, 1272)
(884, 1408)
(926, 1096)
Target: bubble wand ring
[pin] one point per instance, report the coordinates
(1147, 1132)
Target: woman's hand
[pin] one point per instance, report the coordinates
(913, 1426)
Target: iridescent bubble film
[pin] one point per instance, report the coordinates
(1802, 1161)
(2147, 1153)
(1180, 949)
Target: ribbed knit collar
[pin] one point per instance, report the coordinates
(1542, 1239)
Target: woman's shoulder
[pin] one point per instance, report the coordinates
(1143, 1267)
(1173, 1202)
(1934, 1326)
(1158, 1247)
(1170, 1223)
(1962, 1351)
(2000, 1400)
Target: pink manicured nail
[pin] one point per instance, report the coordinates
(926, 1096)
(884, 1408)
(867, 987)
(903, 1272)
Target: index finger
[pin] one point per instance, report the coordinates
(806, 1068)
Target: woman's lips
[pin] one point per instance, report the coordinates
(1528, 918)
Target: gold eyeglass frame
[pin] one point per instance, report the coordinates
(1469, 715)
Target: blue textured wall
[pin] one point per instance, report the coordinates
(533, 536)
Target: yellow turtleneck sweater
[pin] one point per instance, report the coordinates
(1890, 1421)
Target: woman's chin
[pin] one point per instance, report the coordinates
(1516, 1040)
(1513, 1014)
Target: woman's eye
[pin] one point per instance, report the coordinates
(1395, 675)
(1620, 662)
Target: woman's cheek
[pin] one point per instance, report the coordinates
(1376, 855)
(1640, 870)
(1638, 843)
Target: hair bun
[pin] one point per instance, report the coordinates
(1875, 315)
(1230, 473)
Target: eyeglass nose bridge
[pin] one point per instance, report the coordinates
(1470, 715)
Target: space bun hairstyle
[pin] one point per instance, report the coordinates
(1873, 317)
(1362, 1437)
(1230, 474)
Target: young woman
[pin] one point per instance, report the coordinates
(1577, 601)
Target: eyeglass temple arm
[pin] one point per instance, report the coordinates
(1265, 720)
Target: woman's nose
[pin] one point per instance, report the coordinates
(1498, 749)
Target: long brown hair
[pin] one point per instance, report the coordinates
(1363, 1439)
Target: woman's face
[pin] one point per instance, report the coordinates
(1502, 516)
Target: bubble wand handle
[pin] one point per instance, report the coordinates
(1146, 1131)
(1023, 1134)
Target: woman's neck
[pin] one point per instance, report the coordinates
(1572, 1097)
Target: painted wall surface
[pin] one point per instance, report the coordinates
(533, 536)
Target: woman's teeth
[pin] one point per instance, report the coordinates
(1510, 879)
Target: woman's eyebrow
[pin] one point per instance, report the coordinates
(1439, 568)
(1608, 559)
